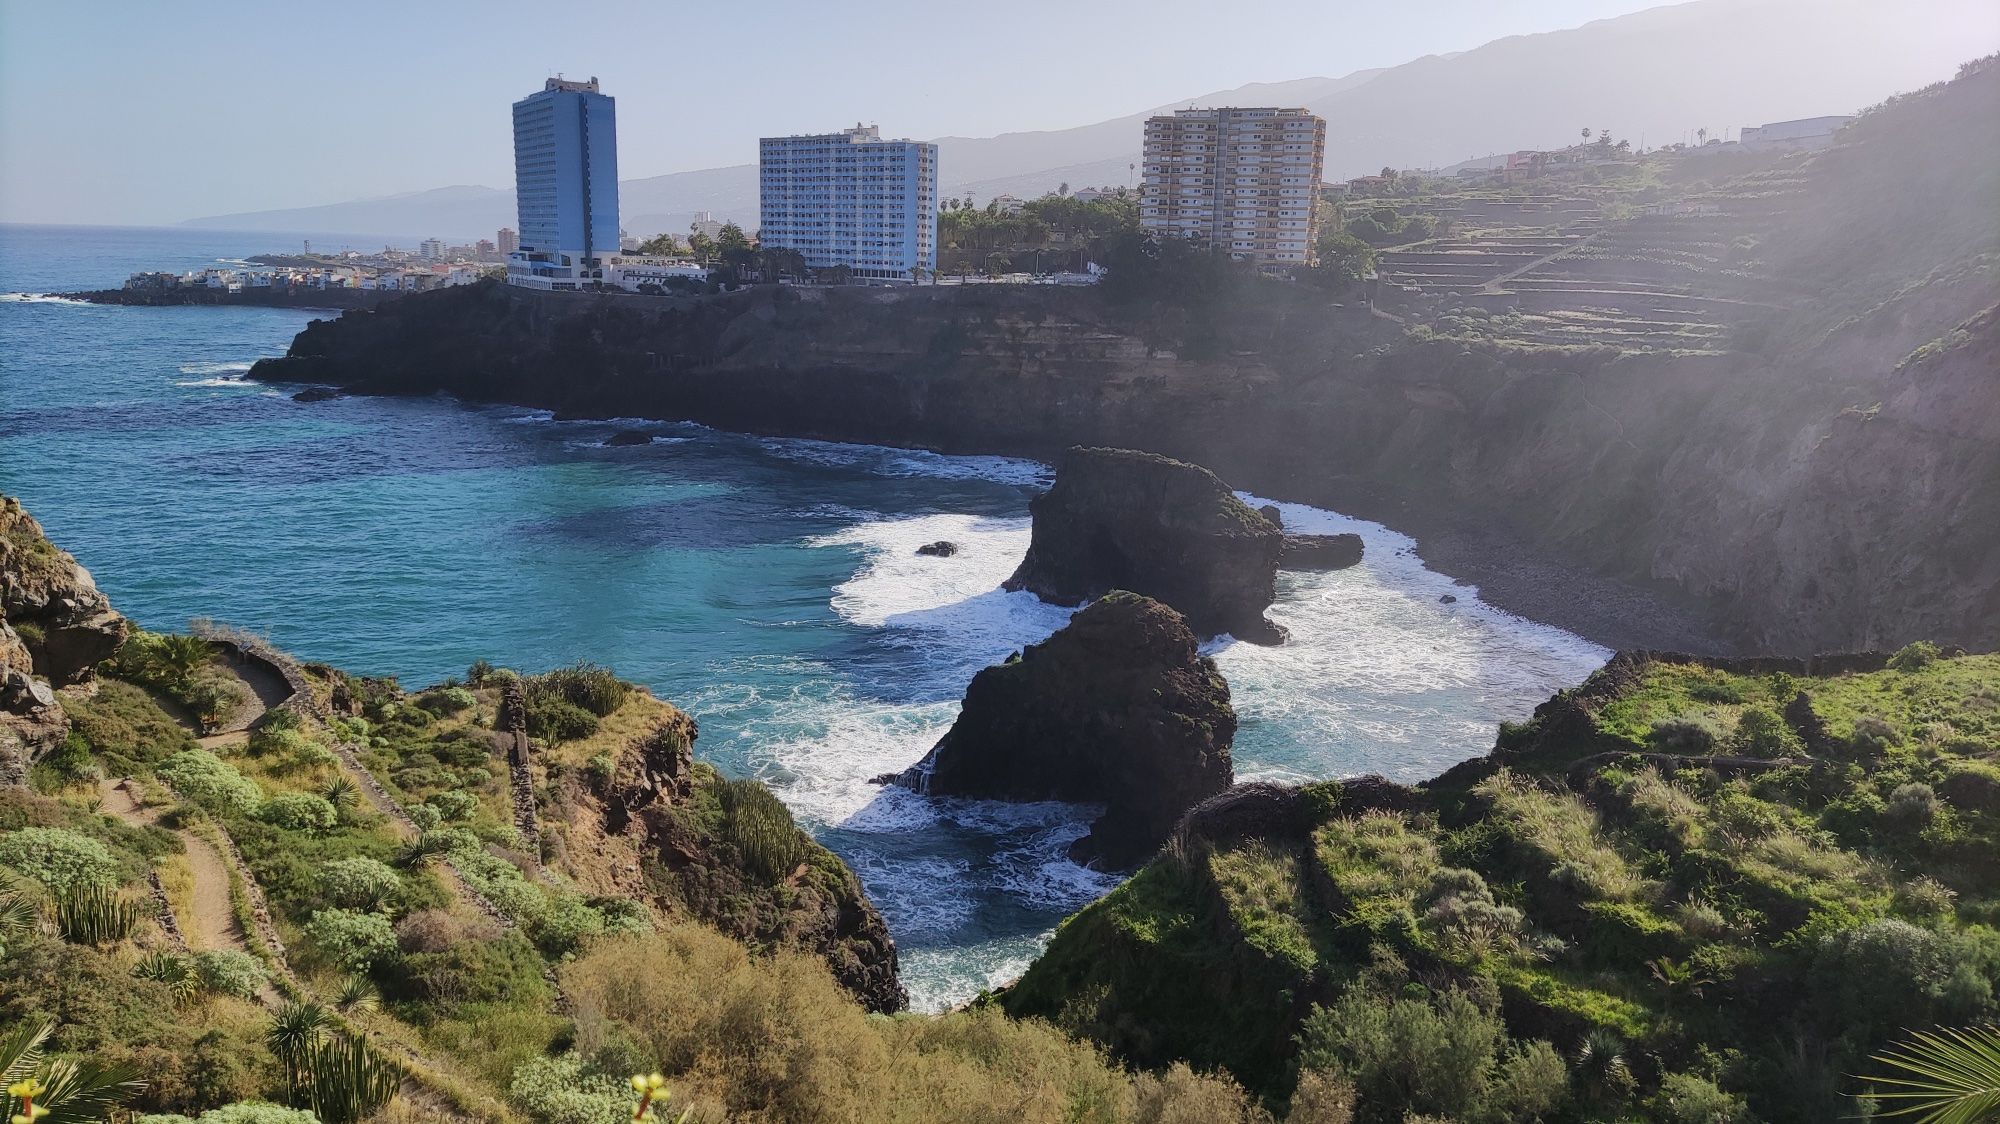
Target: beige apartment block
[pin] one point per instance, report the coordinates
(1240, 180)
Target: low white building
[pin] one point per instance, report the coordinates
(629, 273)
(1804, 133)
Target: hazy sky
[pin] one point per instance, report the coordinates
(153, 112)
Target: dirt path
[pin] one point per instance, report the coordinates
(212, 921)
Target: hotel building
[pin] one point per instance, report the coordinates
(850, 199)
(1239, 180)
(566, 186)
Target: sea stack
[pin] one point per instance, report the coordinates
(1119, 708)
(1121, 519)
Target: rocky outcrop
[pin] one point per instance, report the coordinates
(1121, 519)
(1118, 708)
(1320, 552)
(55, 626)
(626, 438)
(57, 614)
(651, 822)
(939, 549)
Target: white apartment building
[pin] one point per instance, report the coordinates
(851, 199)
(1240, 180)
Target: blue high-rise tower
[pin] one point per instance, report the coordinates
(566, 184)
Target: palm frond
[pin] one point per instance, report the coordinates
(82, 1092)
(1943, 1077)
(21, 1050)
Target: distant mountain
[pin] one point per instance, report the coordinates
(1653, 76)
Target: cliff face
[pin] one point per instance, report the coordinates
(1119, 519)
(54, 627)
(661, 826)
(1117, 708)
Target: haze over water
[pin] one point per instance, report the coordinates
(769, 587)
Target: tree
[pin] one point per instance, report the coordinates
(1063, 191)
(1343, 257)
(1701, 135)
(1586, 132)
(702, 247)
(664, 246)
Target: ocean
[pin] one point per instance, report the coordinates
(770, 587)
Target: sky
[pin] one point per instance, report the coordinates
(139, 113)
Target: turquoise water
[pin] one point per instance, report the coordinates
(770, 587)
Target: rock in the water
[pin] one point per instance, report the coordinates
(1119, 519)
(1321, 552)
(319, 394)
(625, 437)
(1118, 708)
(938, 549)
(1448, 599)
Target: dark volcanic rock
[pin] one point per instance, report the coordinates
(319, 394)
(60, 618)
(1321, 552)
(938, 549)
(625, 437)
(1120, 519)
(1270, 511)
(1118, 708)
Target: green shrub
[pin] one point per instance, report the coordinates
(761, 827)
(58, 858)
(226, 971)
(1911, 806)
(242, 1112)
(1761, 733)
(566, 1090)
(1416, 1055)
(426, 817)
(454, 805)
(446, 700)
(1687, 737)
(173, 970)
(359, 883)
(211, 782)
(1686, 1099)
(1915, 656)
(349, 1082)
(351, 939)
(300, 811)
(1885, 975)
(554, 719)
(593, 688)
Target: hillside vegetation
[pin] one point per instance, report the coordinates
(1683, 892)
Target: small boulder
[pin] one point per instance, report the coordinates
(319, 394)
(1321, 552)
(1270, 511)
(1119, 708)
(628, 437)
(1448, 599)
(939, 549)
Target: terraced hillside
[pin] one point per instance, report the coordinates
(1683, 883)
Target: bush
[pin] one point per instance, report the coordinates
(1686, 1099)
(1885, 975)
(446, 700)
(564, 1090)
(359, 883)
(1911, 806)
(583, 685)
(211, 782)
(242, 1112)
(1687, 737)
(94, 913)
(225, 971)
(1761, 733)
(353, 940)
(426, 818)
(300, 811)
(554, 719)
(58, 858)
(1435, 1055)
(1915, 657)
(454, 805)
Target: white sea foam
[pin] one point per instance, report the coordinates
(217, 381)
(39, 298)
(214, 368)
(528, 417)
(882, 460)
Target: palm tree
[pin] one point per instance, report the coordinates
(59, 1090)
(181, 656)
(297, 1031)
(1951, 1076)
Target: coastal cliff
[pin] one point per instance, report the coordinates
(1819, 478)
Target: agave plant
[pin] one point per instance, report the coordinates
(297, 1031)
(1944, 1077)
(425, 849)
(348, 1082)
(342, 793)
(172, 969)
(57, 1090)
(356, 993)
(95, 914)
